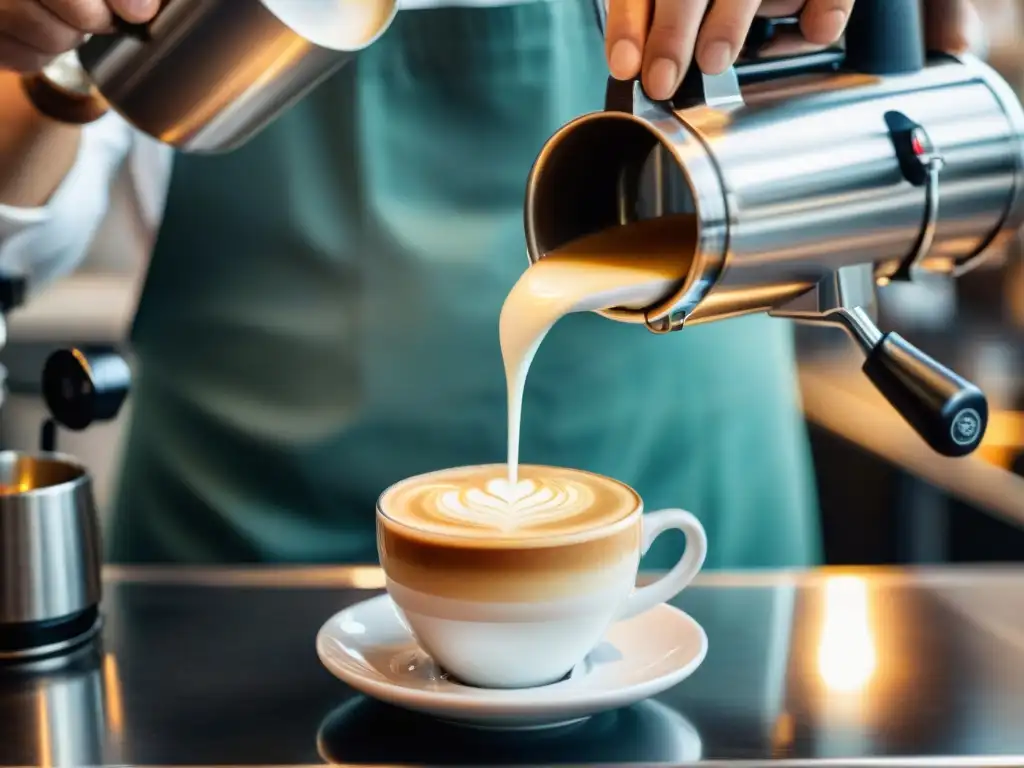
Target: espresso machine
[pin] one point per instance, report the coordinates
(50, 554)
(810, 180)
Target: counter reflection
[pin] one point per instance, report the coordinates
(63, 712)
(846, 650)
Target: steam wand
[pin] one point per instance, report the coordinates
(947, 411)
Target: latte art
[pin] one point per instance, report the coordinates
(506, 507)
(482, 503)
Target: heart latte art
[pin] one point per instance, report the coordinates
(481, 502)
(499, 504)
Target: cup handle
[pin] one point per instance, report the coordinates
(672, 583)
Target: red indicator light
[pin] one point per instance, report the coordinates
(917, 145)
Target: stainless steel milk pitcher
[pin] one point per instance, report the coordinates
(811, 180)
(207, 75)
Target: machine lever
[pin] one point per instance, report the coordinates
(947, 411)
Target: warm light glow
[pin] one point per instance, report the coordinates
(783, 734)
(366, 577)
(112, 693)
(43, 724)
(846, 651)
(13, 489)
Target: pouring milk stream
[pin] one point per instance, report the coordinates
(612, 268)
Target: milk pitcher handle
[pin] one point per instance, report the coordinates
(64, 92)
(671, 584)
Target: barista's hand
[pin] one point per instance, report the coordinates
(32, 32)
(661, 37)
(948, 24)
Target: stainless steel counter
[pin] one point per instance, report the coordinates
(218, 668)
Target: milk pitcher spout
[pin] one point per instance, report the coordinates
(205, 76)
(801, 184)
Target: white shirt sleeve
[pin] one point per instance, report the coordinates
(47, 242)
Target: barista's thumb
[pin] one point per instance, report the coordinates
(135, 11)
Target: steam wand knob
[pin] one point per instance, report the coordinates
(81, 387)
(947, 411)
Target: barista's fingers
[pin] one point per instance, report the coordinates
(669, 49)
(722, 34)
(823, 21)
(85, 15)
(34, 26)
(947, 25)
(626, 35)
(135, 11)
(20, 57)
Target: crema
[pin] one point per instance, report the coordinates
(482, 503)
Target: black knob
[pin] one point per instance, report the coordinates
(12, 292)
(884, 37)
(949, 412)
(82, 386)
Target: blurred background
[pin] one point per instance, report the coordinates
(885, 497)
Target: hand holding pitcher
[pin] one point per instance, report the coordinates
(32, 32)
(661, 38)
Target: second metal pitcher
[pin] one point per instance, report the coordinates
(205, 76)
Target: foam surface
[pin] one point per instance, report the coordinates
(480, 502)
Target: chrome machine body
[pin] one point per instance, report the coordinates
(206, 75)
(810, 180)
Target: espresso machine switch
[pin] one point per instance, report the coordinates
(83, 386)
(914, 150)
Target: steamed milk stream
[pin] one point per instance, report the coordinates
(599, 271)
(615, 267)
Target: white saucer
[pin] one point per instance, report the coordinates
(368, 647)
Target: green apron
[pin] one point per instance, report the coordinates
(320, 320)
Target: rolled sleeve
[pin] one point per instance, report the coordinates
(49, 241)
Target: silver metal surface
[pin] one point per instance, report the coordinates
(570, 194)
(58, 713)
(207, 75)
(845, 299)
(1010, 101)
(794, 184)
(50, 552)
(66, 72)
(872, 667)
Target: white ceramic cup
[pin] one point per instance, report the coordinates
(503, 615)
